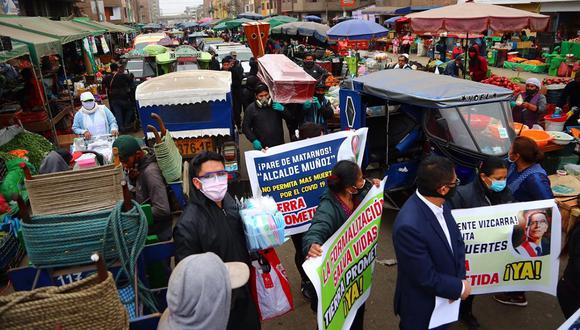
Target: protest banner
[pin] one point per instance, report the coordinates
(294, 174)
(343, 275)
(511, 247)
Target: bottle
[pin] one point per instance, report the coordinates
(557, 113)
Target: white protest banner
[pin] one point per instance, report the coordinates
(294, 174)
(511, 247)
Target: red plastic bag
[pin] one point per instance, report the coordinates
(270, 286)
(563, 70)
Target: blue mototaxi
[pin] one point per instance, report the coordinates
(410, 113)
(196, 107)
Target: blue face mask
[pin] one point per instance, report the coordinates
(497, 185)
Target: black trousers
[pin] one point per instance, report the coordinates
(124, 112)
(237, 106)
(568, 297)
(299, 257)
(466, 306)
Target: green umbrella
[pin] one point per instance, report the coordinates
(237, 22)
(153, 50)
(220, 26)
(279, 20)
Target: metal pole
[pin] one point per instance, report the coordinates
(46, 104)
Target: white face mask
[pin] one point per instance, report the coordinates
(89, 105)
(214, 188)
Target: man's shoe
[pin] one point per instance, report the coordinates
(307, 290)
(469, 320)
(511, 299)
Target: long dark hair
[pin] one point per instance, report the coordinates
(491, 164)
(527, 149)
(344, 175)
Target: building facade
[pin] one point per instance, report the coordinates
(326, 9)
(120, 11)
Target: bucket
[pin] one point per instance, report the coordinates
(554, 93)
(555, 124)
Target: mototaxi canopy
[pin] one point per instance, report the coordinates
(193, 103)
(428, 90)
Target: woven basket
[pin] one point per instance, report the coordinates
(86, 304)
(75, 191)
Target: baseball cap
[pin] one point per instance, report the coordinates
(87, 96)
(233, 53)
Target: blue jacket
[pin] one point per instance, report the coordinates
(535, 186)
(426, 266)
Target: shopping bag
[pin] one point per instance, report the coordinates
(270, 286)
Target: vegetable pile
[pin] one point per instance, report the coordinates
(556, 81)
(503, 82)
(36, 145)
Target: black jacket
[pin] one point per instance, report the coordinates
(317, 72)
(237, 75)
(572, 271)
(474, 194)
(265, 125)
(118, 85)
(204, 227)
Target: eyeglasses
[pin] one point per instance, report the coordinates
(213, 175)
(538, 223)
(453, 184)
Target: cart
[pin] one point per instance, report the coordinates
(410, 113)
(196, 107)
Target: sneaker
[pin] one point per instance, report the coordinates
(511, 299)
(469, 320)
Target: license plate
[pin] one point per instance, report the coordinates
(189, 147)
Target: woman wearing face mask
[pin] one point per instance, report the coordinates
(477, 64)
(534, 105)
(346, 189)
(94, 119)
(528, 182)
(489, 188)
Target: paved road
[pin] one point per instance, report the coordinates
(543, 311)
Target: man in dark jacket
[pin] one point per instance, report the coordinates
(429, 247)
(313, 69)
(263, 120)
(249, 91)
(211, 223)
(150, 187)
(571, 97)
(214, 64)
(229, 64)
(319, 110)
(119, 87)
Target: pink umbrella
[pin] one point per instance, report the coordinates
(477, 17)
(205, 20)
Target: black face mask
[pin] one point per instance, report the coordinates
(531, 91)
(451, 193)
(308, 65)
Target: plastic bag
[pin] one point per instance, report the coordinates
(270, 286)
(263, 223)
(563, 70)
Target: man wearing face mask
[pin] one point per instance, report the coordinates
(533, 106)
(263, 120)
(313, 69)
(211, 223)
(94, 119)
(150, 187)
(486, 190)
(319, 110)
(429, 247)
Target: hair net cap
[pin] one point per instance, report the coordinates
(534, 81)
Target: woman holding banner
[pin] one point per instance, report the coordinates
(488, 189)
(346, 188)
(528, 182)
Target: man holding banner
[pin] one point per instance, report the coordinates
(429, 248)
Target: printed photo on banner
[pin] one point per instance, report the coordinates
(531, 236)
(511, 247)
(294, 174)
(343, 275)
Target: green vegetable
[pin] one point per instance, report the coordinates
(36, 145)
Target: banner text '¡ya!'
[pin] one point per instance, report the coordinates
(523, 270)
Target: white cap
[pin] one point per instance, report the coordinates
(534, 81)
(87, 96)
(406, 55)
